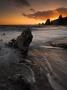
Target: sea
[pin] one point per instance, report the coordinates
(41, 35)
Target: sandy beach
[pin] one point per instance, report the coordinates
(45, 68)
(52, 61)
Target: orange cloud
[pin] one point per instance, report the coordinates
(62, 11)
(22, 2)
(48, 14)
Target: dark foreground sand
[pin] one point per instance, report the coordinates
(58, 59)
(54, 61)
(45, 67)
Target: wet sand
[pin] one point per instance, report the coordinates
(58, 60)
(48, 64)
(53, 62)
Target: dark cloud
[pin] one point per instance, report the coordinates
(8, 4)
(62, 11)
(40, 15)
(22, 2)
(27, 6)
(47, 14)
(33, 10)
(48, 4)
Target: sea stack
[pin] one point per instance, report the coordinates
(23, 41)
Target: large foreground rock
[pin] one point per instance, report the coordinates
(23, 41)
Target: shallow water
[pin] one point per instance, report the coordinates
(40, 34)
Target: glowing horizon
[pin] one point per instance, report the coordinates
(27, 12)
(22, 21)
(18, 21)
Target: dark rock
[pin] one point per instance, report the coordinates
(60, 21)
(23, 41)
(48, 22)
(12, 43)
(61, 45)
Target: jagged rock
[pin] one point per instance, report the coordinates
(48, 22)
(23, 41)
(12, 43)
(60, 21)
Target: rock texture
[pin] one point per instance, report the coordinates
(22, 42)
(59, 21)
(48, 22)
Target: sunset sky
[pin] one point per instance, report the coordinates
(30, 11)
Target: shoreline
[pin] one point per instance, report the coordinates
(44, 60)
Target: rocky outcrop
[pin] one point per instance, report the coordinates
(59, 21)
(48, 22)
(61, 45)
(12, 43)
(23, 41)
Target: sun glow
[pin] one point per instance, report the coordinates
(14, 20)
(21, 20)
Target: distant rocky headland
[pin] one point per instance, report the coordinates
(59, 21)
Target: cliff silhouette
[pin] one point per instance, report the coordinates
(60, 21)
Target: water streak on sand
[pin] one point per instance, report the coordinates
(41, 60)
(39, 51)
